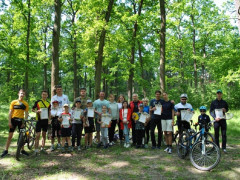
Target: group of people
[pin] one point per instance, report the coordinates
(102, 116)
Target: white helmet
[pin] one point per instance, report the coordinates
(183, 96)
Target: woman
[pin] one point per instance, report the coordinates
(147, 127)
(115, 117)
(119, 102)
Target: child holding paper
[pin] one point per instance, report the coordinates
(89, 124)
(105, 122)
(56, 128)
(65, 119)
(77, 124)
(146, 109)
(125, 122)
(140, 126)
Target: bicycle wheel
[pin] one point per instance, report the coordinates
(205, 156)
(31, 137)
(183, 145)
(19, 145)
(209, 137)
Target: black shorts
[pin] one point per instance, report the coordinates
(42, 125)
(15, 124)
(56, 130)
(90, 128)
(66, 132)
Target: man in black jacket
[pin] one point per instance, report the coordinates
(216, 105)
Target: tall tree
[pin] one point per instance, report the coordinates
(55, 45)
(99, 60)
(162, 44)
(237, 5)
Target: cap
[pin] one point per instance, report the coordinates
(65, 105)
(140, 105)
(183, 96)
(89, 101)
(55, 101)
(219, 91)
(78, 100)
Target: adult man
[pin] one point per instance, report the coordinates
(156, 119)
(183, 105)
(219, 103)
(60, 97)
(43, 116)
(83, 98)
(134, 108)
(18, 108)
(97, 105)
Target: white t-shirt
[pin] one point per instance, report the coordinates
(56, 112)
(119, 105)
(61, 100)
(125, 112)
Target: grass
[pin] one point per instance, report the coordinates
(116, 162)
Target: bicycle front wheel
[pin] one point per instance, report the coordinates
(183, 145)
(31, 137)
(205, 156)
(19, 145)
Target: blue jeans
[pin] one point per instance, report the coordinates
(104, 133)
(126, 133)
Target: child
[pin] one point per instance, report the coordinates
(147, 127)
(77, 124)
(203, 119)
(125, 122)
(66, 128)
(56, 128)
(88, 125)
(140, 127)
(104, 127)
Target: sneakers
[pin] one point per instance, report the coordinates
(158, 147)
(166, 150)
(63, 150)
(24, 153)
(169, 151)
(5, 152)
(127, 145)
(79, 148)
(106, 146)
(110, 144)
(58, 146)
(145, 146)
(153, 147)
(52, 148)
(224, 150)
(70, 149)
(99, 145)
(43, 150)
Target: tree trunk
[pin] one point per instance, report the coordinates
(134, 34)
(237, 5)
(28, 52)
(99, 60)
(194, 47)
(142, 69)
(162, 44)
(75, 67)
(45, 61)
(55, 46)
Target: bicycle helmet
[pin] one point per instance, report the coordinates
(183, 96)
(203, 108)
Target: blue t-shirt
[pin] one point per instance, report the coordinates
(146, 109)
(153, 102)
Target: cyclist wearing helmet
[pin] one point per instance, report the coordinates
(203, 119)
(183, 105)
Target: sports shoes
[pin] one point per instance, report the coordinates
(153, 147)
(58, 146)
(158, 147)
(70, 149)
(79, 148)
(127, 145)
(110, 144)
(63, 150)
(169, 151)
(166, 150)
(24, 153)
(224, 150)
(145, 146)
(52, 148)
(5, 152)
(113, 143)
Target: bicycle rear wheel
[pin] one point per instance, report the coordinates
(19, 145)
(183, 145)
(207, 160)
(31, 137)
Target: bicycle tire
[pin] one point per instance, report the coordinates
(19, 145)
(201, 161)
(183, 145)
(209, 137)
(31, 137)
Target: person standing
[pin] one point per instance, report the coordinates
(120, 100)
(156, 120)
(115, 117)
(134, 108)
(60, 97)
(97, 105)
(83, 98)
(146, 109)
(220, 122)
(42, 108)
(18, 111)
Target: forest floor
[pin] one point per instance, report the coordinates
(116, 162)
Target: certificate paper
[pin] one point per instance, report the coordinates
(143, 117)
(106, 119)
(186, 115)
(219, 113)
(44, 113)
(158, 109)
(77, 114)
(90, 112)
(65, 121)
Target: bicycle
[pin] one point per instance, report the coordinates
(204, 154)
(208, 126)
(27, 134)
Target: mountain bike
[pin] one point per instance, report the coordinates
(27, 134)
(204, 154)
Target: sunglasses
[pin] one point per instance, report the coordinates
(202, 111)
(183, 99)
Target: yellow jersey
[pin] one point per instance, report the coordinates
(41, 104)
(18, 108)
